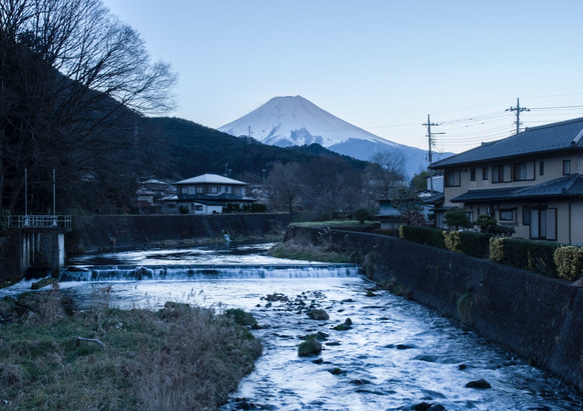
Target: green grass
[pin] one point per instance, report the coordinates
(296, 250)
(333, 223)
(178, 358)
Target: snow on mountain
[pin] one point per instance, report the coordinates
(295, 121)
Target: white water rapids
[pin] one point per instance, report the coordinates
(397, 355)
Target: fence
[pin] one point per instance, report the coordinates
(39, 221)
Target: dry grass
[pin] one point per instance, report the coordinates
(304, 250)
(179, 358)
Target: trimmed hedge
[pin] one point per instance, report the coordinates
(536, 256)
(475, 244)
(465, 242)
(569, 262)
(542, 257)
(423, 235)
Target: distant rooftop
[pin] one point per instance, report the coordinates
(211, 179)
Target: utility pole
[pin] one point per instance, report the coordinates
(249, 132)
(518, 110)
(430, 154)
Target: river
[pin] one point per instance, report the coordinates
(396, 355)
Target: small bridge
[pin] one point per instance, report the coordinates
(40, 240)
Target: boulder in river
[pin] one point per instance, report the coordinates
(312, 346)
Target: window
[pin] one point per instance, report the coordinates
(200, 190)
(502, 174)
(472, 174)
(526, 215)
(452, 178)
(524, 171)
(543, 224)
(566, 167)
(484, 173)
(541, 168)
(213, 190)
(506, 215)
(470, 215)
(198, 207)
(237, 191)
(183, 190)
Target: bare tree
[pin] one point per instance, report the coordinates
(285, 184)
(391, 174)
(73, 81)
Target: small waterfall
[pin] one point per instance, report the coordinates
(205, 272)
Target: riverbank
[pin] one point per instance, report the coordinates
(110, 233)
(537, 317)
(181, 357)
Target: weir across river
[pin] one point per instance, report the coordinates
(40, 240)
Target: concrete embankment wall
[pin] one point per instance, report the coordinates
(539, 318)
(117, 232)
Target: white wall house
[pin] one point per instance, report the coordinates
(206, 194)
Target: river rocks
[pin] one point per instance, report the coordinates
(312, 346)
(480, 384)
(318, 314)
(360, 381)
(275, 297)
(42, 283)
(424, 406)
(335, 371)
(320, 336)
(346, 325)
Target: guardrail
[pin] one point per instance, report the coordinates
(39, 221)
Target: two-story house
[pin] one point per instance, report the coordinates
(206, 194)
(531, 181)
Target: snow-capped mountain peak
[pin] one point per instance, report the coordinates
(290, 121)
(295, 121)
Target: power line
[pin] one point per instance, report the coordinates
(518, 110)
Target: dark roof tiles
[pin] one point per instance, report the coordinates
(551, 137)
(566, 186)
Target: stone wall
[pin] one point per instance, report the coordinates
(118, 232)
(539, 318)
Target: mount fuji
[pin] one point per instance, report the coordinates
(295, 121)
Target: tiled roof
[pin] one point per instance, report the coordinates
(567, 186)
(211, 179)
(490, 194)
(551, 137)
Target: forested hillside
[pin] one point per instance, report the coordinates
(175, 148)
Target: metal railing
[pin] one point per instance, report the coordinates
(39, 221)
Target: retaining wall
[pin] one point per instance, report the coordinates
(117, 232)
(539, 318)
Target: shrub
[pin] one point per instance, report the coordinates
(361, 214)
(423, 235)
(457, 217)
(569, 262)
(241, 317)
(497, 249)
(258, 208)
(475, 244)
(452, 241)
(536, 256)
(486, 223)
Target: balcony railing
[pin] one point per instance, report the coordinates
(39, 221)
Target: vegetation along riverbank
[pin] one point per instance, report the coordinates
(177, 358)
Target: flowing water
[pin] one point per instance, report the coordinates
(396, 354)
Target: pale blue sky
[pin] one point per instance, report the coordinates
(380, 65)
